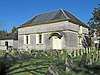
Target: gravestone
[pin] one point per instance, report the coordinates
(52, 71)
(33, 54)
(45, 53)
(90, 62)
(20, 56)
(55, 53)
(69, 63)
(39, 54)
(8, 57)
(16, 54)
(3, 51)
(61, 52)
(97, 56)
(12, 50)
(92, 58)
(62, 55)
(83, 60)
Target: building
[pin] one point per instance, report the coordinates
(10, 42)
(96, 39)
(57, 29)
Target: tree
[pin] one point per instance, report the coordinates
(94, 22)
(14, 29)
(3, 34)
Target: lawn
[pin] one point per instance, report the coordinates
(40, 65)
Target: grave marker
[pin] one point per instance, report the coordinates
(83, 60)
(69, 63)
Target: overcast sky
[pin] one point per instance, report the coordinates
(17, 12)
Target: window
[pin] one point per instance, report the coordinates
(26, 39)
(39, 38)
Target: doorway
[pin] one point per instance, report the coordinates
(56, 42)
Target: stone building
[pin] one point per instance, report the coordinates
(10, 42)
(58, 29)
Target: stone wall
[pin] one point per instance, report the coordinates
(69, 39)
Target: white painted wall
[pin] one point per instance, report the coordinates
(3, 47)
(13, 43)
(10, 42)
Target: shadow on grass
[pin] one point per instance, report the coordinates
(88, 70)
(37, 66)
(33, 71)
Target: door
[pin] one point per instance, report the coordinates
(6, 44)
(56, 42)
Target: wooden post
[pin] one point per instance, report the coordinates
(78, 52)
(81, 52)
(74, 53)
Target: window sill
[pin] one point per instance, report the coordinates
(26, 44)
(39, 44)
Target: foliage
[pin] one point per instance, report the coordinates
(14, 29)
(94, 22)
(3, 34)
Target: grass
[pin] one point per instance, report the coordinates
(39, 66)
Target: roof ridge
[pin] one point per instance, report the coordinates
(62, 10)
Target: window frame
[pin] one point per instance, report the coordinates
(39, 39)
(26, 39)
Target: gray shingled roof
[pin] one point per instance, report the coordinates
(53, 16)
(13, 36)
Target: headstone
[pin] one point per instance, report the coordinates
(62, 52)
(92, 58)
(55, 55)
(52, 71)
(3, 51)
(39, 54)
(45, 53)
(8, 57)
(16, 53)
(97, 56)
(20, 56)
(83, 60)
(69, 63)
(12, 50)
(90, 62)
(33, 54)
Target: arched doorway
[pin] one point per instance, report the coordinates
(56, 40)
(56, 43)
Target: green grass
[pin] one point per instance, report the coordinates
(39, 66)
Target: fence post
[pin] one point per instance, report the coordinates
(74, 53)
